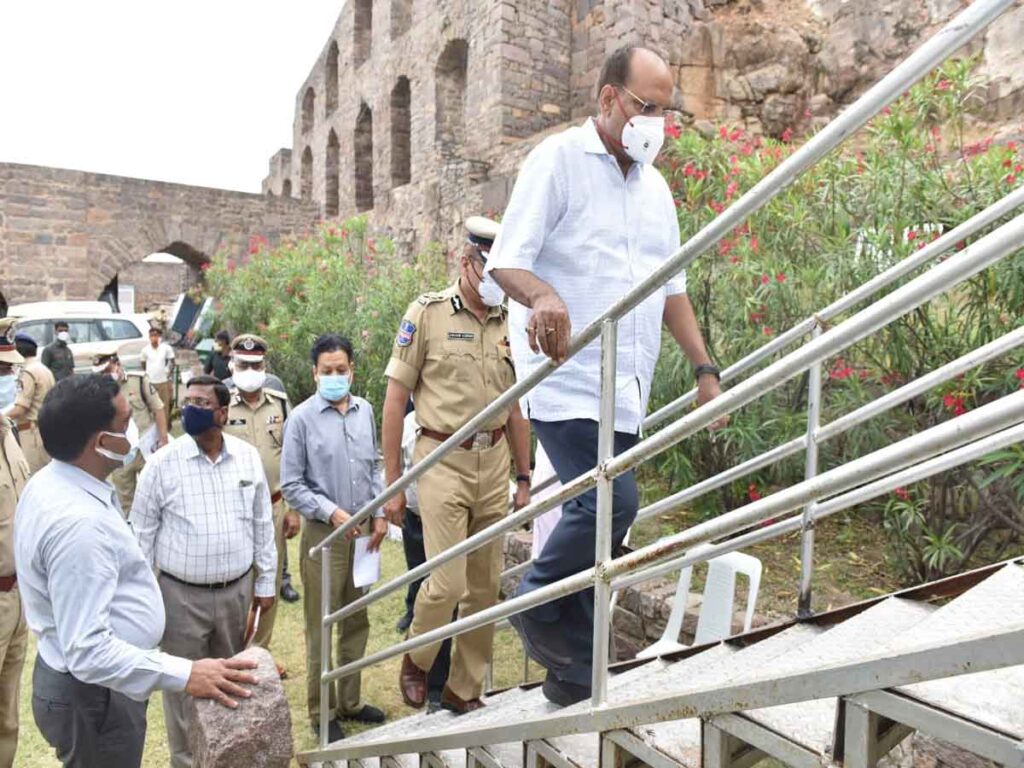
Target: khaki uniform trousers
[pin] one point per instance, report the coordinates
(459, 497)
(124, 480)
(266, 628)
(352, 633)
(13, 641)
(165, 391)
(32, 447)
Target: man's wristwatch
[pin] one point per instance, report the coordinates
(523, 479)
(707, 368)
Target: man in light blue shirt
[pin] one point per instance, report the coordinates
(590, 219)
(89, 594)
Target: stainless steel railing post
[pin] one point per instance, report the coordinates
(810, 471)
(325, 644)
(603, 539)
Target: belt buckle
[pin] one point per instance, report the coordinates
(482, 440)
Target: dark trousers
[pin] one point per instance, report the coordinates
(415, 555)
(87, 725)
(572, 447)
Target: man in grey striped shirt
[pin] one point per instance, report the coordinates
(202, 515)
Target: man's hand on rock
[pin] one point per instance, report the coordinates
(220, 679)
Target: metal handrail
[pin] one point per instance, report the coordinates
(975, 425)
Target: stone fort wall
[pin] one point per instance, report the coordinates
(419, 112)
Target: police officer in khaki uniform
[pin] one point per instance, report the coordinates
(14, 472)
(452, 356)
(257, 414)
(34, 381)
(148, 414)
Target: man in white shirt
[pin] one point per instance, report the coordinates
(89, 594)
(158, 363)
(590, 219)
(202, 515)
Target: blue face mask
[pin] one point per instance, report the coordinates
(8, 389)
(196, 420)
(334, 388)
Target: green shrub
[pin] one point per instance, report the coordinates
(339, 279)
(864, 208)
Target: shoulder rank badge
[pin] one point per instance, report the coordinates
(405, 333)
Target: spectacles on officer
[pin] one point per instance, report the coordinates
(245, 365)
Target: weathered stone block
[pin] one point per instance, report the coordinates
(256, 735)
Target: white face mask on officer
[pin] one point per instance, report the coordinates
(64, 336)
(490, 292)
(642, 135)
(131, 434)
(249, 380)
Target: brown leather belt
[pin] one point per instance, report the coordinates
(479, 440)
(275, 497)
(26, 426)
(7, 583)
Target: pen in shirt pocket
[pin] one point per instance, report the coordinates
(244, 483)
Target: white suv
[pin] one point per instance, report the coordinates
(91, 329)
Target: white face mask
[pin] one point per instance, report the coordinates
(131, 434)
(490, 292)
(64, 336)
(249, 380)
(642, 138)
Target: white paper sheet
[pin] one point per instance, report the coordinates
(366, 566)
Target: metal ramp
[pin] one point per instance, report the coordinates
(841, 687)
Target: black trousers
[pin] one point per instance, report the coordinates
(569, 621)
(87, 725)
(415, 555)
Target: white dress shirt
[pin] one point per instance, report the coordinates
(592, 234)
(205, 521)
(89, 594)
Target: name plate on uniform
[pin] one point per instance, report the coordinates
(461, 336)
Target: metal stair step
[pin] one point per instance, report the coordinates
(995, 698)
(679, 739)
(811, 723)
(994, 604)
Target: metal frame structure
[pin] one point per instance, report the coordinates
(981, 431)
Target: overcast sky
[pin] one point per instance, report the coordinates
(191, 91)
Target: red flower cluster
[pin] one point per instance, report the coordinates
(671, 129)
(978, 148)
(1020, 377)
(902, 494)
(943, 85)
(752, 492)
(257, 243)
(955, 403)
(787, 135)
(840, 370)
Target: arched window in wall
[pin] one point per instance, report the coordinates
(362, 30)
(307, 174)
(401, 160)
(286, 188)
(362, 146)
(450, 79)
(331, 176)
(331, 79)
(308, 107)
(401, 17)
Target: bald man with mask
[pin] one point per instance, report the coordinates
(589, 220)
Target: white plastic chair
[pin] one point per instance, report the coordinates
(717, 605)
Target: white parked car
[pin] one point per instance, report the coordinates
(92, 324)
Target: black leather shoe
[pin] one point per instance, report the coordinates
(334, 731)
(288, 593)
(368, 714)
(562, 693)
(404, 623)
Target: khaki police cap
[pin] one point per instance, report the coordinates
(104, 356)
(249, 348)
(8, 352)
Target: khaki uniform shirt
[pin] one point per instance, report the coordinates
(14, 474)
(454, 364)
(143, 399)
(261, 425)
(34, 382)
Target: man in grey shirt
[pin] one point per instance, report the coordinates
(330, 469)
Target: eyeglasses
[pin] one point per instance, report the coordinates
(200, 402)
(650, 109)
